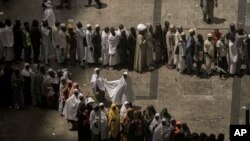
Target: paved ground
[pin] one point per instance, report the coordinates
(206, 105)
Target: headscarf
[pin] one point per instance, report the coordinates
(114, 120)
(123, 110)
(74, 86)
(155, 123)
(25, 72)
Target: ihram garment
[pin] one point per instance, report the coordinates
(113, 49)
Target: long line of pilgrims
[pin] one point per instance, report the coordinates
(94, 120)
(140, 51)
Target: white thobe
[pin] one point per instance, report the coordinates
(90, 54)
(80, 47)
(55, 41)
(113, 45)
(8, 41)
(49, 16)
(105, 48)
(45, 44)
(63, 45)
(233, 57)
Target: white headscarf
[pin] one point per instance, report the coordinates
(25, 72)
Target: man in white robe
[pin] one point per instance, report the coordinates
(63, 44)
(55, 39)
(113, 41)
(80, 34)
(105, 47)
(49, 14)
(90, 48)
(70, 108)
(46, 42)
(209, 53)
(97, 82)
(120, 90)
(8, 41)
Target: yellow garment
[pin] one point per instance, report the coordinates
(114, 120)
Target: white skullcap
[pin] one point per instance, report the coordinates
(191, 30)
(182, 33)
(141, 27)
(164, 120)
(70, 20)
(63, 25)
(97, 69)
(209, 35)
(97, 25)
(157, 115)
(125, 73)
(101, 104)
(26, 64)
(248, 35)
(88, 25)
(126, 102)
(171, 26)
(81, 96)
(90, 100)
(50, 70)
(75, 91)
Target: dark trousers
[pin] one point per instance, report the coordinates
(27, 54)
(36, 50)
(222, 63)
(246, 61)
(18, 52)
(198, 67)
(97, 2)
(165, 55)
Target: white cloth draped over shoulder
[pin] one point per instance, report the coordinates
(97, 81)
(70, 108)
(120, 90)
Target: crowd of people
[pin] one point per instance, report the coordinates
(93, 119)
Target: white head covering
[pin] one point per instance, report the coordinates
(97, 25)
(63, 25)
(50, 70)
(48, 3)
(125, 73)
(157, 115)
(141, 27)
(101, 104)
(88, 25)
(209, 35)
(248, 35)
(96, 69)
(25, 72)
